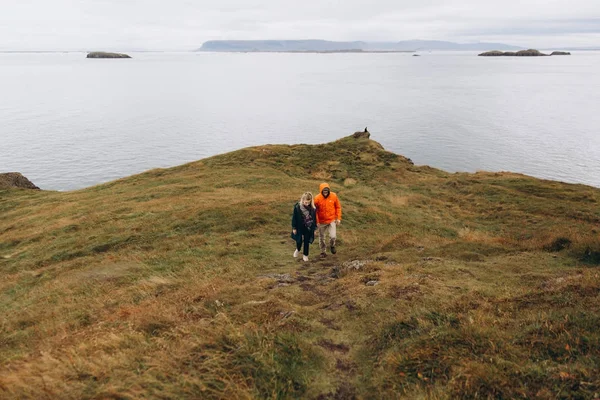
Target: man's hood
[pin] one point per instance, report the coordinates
(323, 186)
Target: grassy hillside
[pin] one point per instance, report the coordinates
(180, 283)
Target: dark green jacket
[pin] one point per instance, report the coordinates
(298, 223)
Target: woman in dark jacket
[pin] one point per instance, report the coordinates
(304, 223)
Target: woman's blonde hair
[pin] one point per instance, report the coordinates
(308, 196)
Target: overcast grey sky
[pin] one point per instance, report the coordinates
(186, 24)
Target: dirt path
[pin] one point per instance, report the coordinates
(322, 295)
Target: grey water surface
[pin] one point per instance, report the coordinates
(67, 122)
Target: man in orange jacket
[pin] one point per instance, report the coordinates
(329, 216)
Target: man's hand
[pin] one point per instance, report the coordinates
(338, 221)
(294, 231)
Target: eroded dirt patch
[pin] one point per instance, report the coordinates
(335, 347)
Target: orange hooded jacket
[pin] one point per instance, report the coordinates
(328, 209)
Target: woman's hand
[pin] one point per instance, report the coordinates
(294, 231)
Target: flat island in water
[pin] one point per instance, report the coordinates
(102, 54)
(522, 53)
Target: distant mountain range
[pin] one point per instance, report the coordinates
(329, 46)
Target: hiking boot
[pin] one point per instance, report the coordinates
(333, 250)
(296, 253)
(323, 255)
(305, 258)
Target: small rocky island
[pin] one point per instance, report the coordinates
(102, 54)
(522, 53)
(15, 180)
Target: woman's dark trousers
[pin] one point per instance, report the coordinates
(304, 237)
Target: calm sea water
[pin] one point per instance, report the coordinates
(67, 122)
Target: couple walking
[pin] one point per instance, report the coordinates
(323, 212)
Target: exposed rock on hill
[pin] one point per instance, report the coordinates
(362, 134)
(101, 54)
(15, 180)
(560, 53)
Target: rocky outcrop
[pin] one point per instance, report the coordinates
(560, 53)
(15, 180)
(101, 54)
(530, 53)
(362, 134)
(520, 53)
(493, 53)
